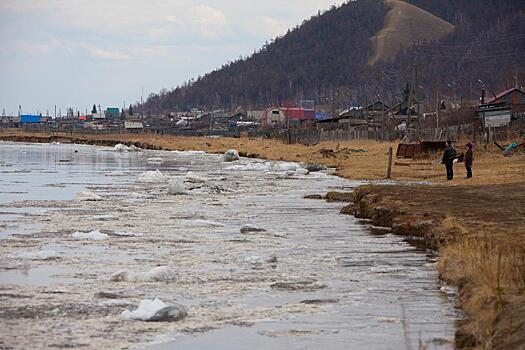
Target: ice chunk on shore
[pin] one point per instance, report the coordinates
(152, 177)
(93, 235)
(231, 155)
(177, 187)
(123, 148)
(87, 196)
(146, 309)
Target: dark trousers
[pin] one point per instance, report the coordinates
(450, 169)
(469, 171)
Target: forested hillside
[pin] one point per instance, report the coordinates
(327, 58)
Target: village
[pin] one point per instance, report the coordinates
(486, 119)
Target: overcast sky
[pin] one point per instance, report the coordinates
(74, 53)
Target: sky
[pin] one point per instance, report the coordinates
(76, 53)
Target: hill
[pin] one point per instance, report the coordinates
(405, 25)
(349, 53)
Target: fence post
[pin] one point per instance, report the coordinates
(389, 171)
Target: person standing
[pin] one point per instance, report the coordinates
(469, 159)
(448, 159)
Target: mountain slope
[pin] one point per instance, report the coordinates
(405, 25)
(349, 53)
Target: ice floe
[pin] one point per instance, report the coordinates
(155, 160)
(231, 155)
(104, 218)
(123, 148)
(128, 234)
(156, 311)
(146, 309)
(158, 274)
(39, 255)
(87, 196)
(93, 235)
(177, 187)
(153, 177)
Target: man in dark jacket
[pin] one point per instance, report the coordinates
(469, 158)
(448, 159)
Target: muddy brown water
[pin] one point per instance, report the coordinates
(313, 278)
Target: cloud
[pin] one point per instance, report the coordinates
(208, 20)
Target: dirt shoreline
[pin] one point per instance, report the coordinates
(480, 241)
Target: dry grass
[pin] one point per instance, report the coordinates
(406, 24)
(491, 272)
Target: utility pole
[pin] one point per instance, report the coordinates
(55, 112)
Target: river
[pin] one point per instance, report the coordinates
(299, 276)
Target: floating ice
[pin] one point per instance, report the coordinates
(158, 274)
(147, 308)
(93, 235)
(104, 218)
(188, 153)
(255, 166)
(288, 166)
(254, 260)
(156, 311)
(177, 187)
(115, 303)
(123, 148)
(87, 196)
(40, 255)
(191, 177)
(128, 234)
(152, 177)
(155, 160)
(231, 156)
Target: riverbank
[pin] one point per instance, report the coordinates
(476, 224)
(357, 160)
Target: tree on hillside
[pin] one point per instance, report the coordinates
(130, 110)
(94, 110)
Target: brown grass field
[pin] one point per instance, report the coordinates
(480, 221)
(406, 24)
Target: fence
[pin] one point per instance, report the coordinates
(314, 136)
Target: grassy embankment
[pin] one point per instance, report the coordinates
(478, 225)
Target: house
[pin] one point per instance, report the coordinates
(499, 110)
(285, 116)
(113, 113)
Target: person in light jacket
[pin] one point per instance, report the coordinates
(469, 159)
(448, 159)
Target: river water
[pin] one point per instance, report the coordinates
(313, 278)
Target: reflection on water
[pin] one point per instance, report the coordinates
(369, 282)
